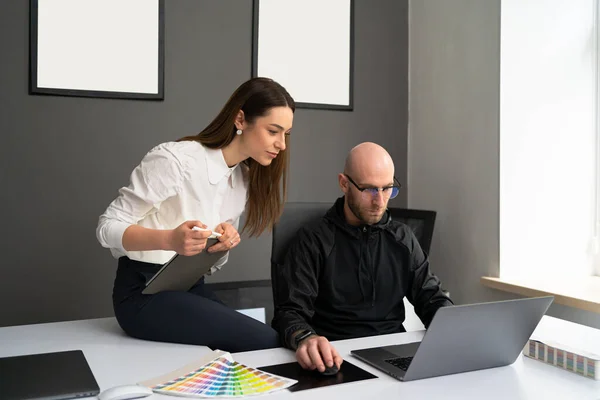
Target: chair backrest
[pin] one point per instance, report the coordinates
(420, 221)
(296, 215)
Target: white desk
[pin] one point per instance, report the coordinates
(118, 359)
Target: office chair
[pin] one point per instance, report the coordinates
(420, 221)
(296, 215)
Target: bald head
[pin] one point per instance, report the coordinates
(368, 161)
(368, 166)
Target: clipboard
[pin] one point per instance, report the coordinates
(182, 272)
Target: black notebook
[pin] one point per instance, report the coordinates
(47, 376)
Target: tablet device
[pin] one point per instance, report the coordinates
(182, 272)
(47, 376)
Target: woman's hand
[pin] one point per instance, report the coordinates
(186, 241)
(229, 238)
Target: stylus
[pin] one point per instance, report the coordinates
(215, 234)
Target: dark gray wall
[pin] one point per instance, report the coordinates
(64, 158)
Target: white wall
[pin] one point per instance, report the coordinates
(453, 150)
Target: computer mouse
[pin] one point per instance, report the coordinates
(125, 392)
(330, 370)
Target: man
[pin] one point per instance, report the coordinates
(346, 276)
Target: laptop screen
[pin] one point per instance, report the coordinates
(48, 376)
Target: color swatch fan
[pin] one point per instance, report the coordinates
(218, 375)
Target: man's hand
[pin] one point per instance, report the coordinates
(315, 352)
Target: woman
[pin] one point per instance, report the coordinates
(237, 163)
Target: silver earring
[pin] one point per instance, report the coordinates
(239, 132)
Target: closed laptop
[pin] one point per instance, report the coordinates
(47, 376)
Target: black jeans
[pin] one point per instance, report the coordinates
(193, 317)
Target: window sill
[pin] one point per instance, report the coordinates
(582, 293)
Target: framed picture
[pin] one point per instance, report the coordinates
(308, 47)
(97, 48)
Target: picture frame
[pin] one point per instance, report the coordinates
(97, 48)
(308, 47)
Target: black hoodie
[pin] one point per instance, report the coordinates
(345, 281)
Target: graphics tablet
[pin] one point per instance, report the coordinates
(182, 272)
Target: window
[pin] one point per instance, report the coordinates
(596, 244)
(549, 139)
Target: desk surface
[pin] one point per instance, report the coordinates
(117, 359)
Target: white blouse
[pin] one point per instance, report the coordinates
(175, 182)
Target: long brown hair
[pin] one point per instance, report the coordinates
(267, 187)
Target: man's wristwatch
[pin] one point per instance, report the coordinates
(301, 336)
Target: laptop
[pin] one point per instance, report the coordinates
(47, 376)
(463, 338)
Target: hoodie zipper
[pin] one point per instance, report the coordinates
(371, 269)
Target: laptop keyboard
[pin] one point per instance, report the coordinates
(400, 362)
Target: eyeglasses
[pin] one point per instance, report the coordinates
(387, 192)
